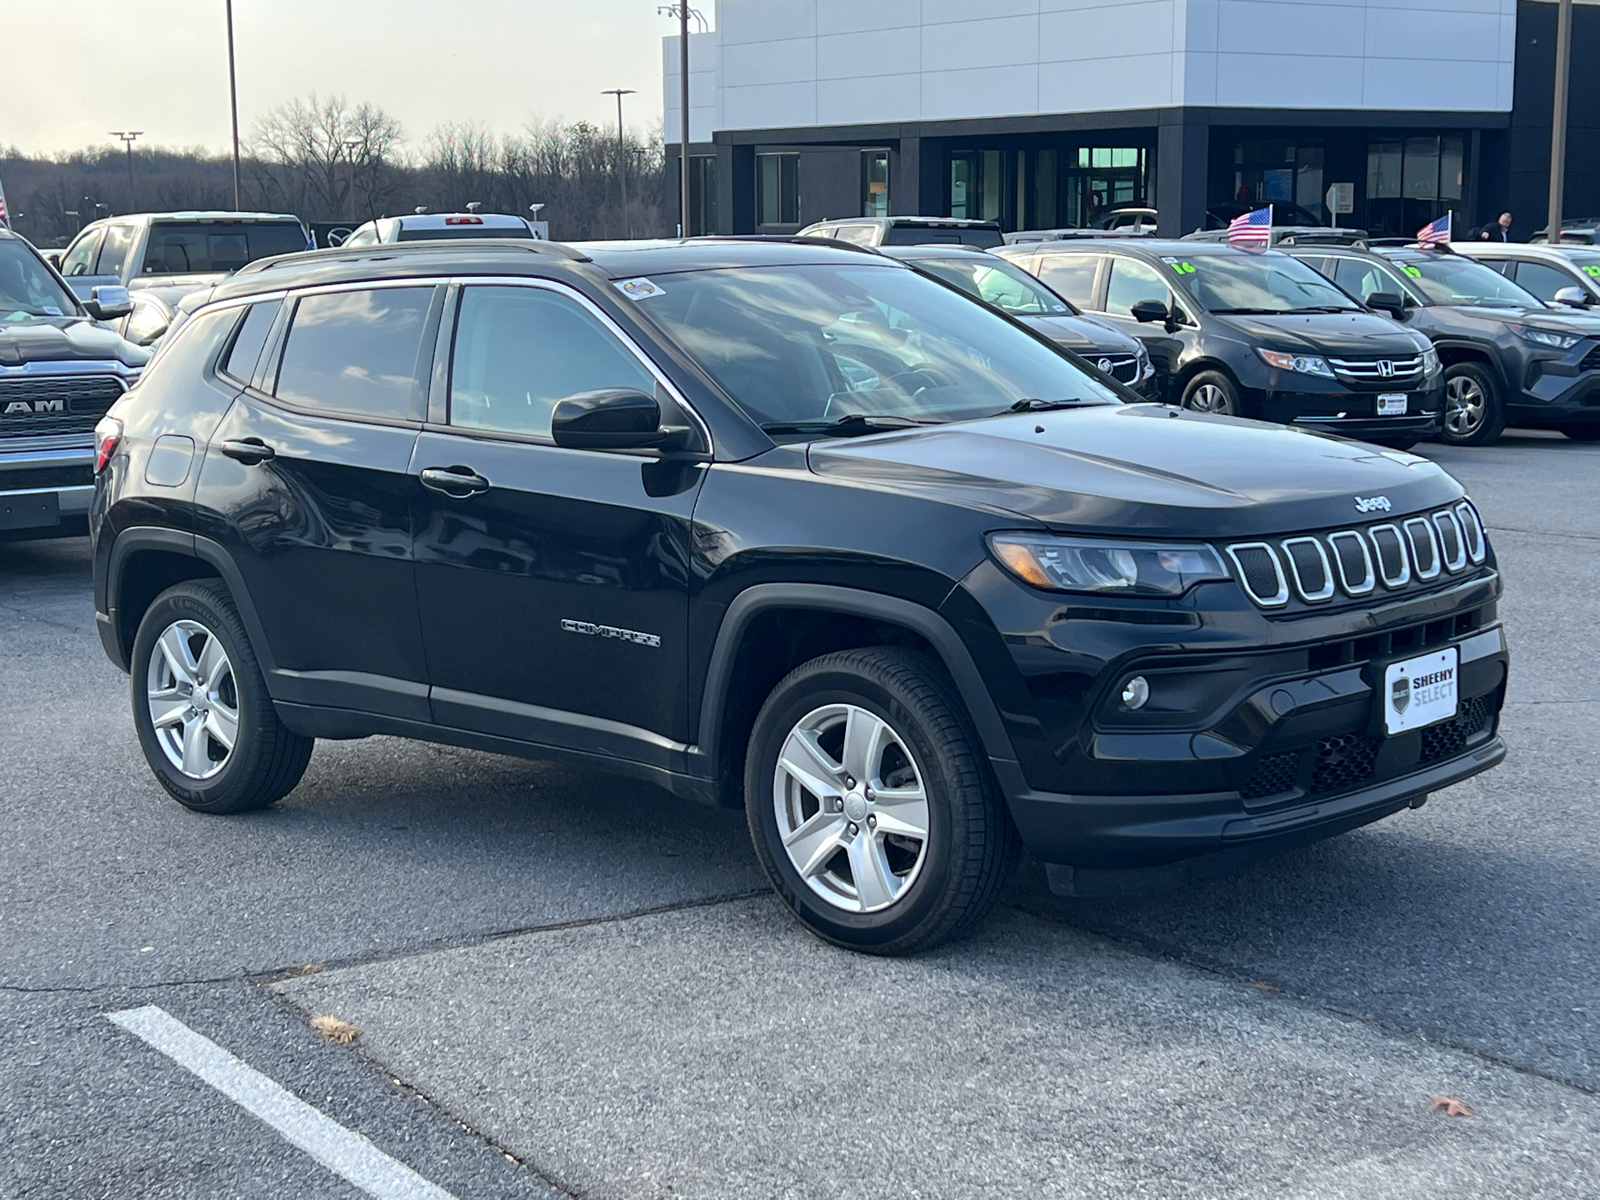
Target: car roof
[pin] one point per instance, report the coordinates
(1515, 250)
(936, 250)
(913, 222)
(517, 256)
(1143, 247)
(199, 214)
(442, 220)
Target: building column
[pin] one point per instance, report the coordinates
(916, 188)
(1182, 159)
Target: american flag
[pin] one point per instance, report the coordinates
(1436, 233)
(5, 217)
(1252, 229)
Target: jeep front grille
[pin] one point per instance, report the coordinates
(57, 404)
(1356, 562)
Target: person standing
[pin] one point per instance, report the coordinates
(1498, 231)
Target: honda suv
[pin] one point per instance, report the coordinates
(786, 526)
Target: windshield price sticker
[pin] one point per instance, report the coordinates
(1420, 691)
(1179, 265)
(1414, 272)
(1592, 269)
(640, 289)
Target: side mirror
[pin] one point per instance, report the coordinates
(53, 257)
(1392, 303)
(613, 419)
(108, 302)
(1147, 311)
(1573, 297)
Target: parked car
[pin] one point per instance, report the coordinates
(1127, 218)
(433, 227)
(164, 256)
(60, 370)
(1509, 359)
(908, 231)
(786, 526)
(1252, 333)
(1006, 286)
(1578, 230)
(1561, 275)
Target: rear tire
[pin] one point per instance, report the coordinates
(200, 705)
(897, 839)
(1474, 413)
(1212, 392)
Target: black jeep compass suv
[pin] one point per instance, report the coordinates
(785, 526)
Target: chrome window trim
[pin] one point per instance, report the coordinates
(1370, 581)
(1405, 559)
(1282, 596)
(1433, 541)
(1460, 560)
(1326, 591)
(1471, 520)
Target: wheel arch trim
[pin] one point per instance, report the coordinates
(892, 610)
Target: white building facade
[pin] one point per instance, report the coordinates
(1047, 112)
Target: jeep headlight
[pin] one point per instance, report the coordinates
(1103, 566)
(1306, 364)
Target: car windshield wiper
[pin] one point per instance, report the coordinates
(1032, 404)
(1251, 312)
(1323, 308)
(847, 425)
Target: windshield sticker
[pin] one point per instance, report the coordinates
(50, 310)
(1181, 267)
(640, 289)
(1414, 272)
(1593, 270)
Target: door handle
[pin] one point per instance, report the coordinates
(249, 451)
(456, 482)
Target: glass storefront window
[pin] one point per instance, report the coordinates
(702, 194)
(875, 183)
(1383, 170)
(778, 189)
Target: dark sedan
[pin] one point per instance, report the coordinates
(1253, 333)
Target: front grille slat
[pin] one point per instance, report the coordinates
(1403, 372)
(1318, 567)
(46, 406)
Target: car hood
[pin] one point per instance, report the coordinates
(173, 288)
(1142, 469)
(66, 339)
(1565, 320)
(1082, 335)
(1326, 333)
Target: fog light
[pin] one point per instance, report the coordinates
(1135, 692)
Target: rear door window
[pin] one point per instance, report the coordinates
(521, 350)
(355, 353)
(114, 253)
(1131, 282)
(1070, 275)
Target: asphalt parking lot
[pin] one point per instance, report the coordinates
(570, 984)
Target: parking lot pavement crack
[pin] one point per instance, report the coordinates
(1154, 948)
(91, 989)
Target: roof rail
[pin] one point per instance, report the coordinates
(389, 249)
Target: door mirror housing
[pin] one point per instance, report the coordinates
(1392, 303)
(1147, 311)
(614, 419)
(1573, 297)
(108, 302)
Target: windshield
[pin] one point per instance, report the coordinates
(1447, 279)
(1588, 261)
(814, 344)
(1009, 288)
(206, 247)
(27, 289)
(1251, 282)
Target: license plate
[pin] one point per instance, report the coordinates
(32, 510)
(1391, 404)
(1420, 691)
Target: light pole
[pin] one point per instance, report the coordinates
(1558, 123)
(350, 144)
(233, 98)
(128, 137)
(622, 155)
(683, 12)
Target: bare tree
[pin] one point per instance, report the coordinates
(308, 154)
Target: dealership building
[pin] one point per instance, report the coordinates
(1044, 113)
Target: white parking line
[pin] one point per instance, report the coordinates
(341, 1150)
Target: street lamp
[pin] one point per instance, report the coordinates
(233, 97)
(350, 144)
(683, 12)
(128, 137)
(622, 155)
(1558, 122)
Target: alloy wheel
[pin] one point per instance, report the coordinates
(852, 808)
(1465, 406)
(1209, 398)
(193, 699)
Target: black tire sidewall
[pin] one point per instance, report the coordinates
(930, 894)
(224, 791)
(1494, 420)
(1216, 379)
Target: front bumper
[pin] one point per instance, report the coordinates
(1348, 413)
(45, 492)
(1559, 392)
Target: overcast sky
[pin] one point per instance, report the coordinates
(71, 70)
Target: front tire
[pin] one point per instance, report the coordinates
(1474, 414)
(200, 705)
(1212, 392)
(871, 805)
